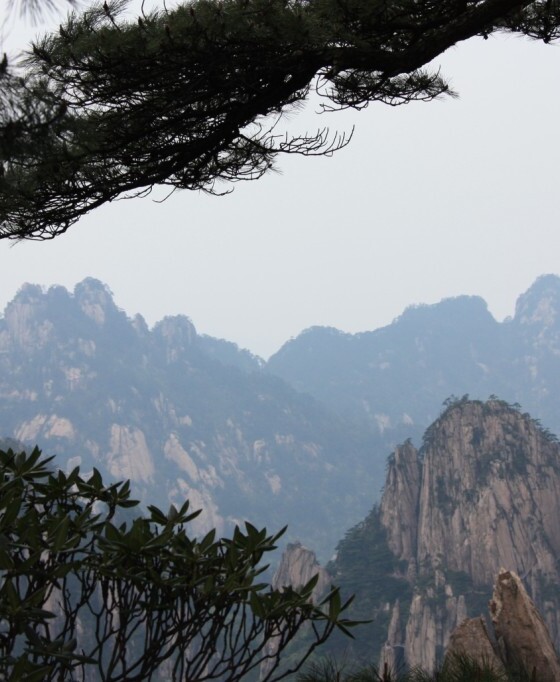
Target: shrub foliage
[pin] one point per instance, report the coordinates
(82, 590)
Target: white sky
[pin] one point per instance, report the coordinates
(428, 201)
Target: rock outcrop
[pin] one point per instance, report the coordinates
(297, 567)
(519, 643)
(482, 492)
(470, 639)
(403, 484)
(520, 630)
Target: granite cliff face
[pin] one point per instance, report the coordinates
(297, 567)
(181, 415)
(489, 495)
(482, 493)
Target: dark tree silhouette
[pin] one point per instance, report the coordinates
(84, 596)
(37, 9)
(110, 107)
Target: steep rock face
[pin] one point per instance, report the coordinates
(392, 653)
(537, 310)
(433, 615)
(182, 416)
(483, 492)
(176, 335)
(297, 567)
(489, 494)
(403, 484)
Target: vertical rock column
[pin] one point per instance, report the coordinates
(520, 630)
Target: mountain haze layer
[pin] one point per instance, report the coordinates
(181, 415)
(396, 378)
(300, 440)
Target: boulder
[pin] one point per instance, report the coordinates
(470, 639)
(522, 635)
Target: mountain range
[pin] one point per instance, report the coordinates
(181, 415)
(396, 378)
(301, 440)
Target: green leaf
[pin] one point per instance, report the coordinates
(257, 605)
(95, 480)
(335, 605)
(310, 585)
(112, 534)
(61, 534)
(156, 515)
(37, 675)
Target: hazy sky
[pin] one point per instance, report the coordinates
(428, 201)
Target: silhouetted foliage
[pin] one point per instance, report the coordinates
(111, 106)
(81, 591)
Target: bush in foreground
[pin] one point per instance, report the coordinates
(84, 596)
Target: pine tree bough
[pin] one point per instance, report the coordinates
(110, 106)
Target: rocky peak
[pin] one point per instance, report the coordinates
(521, 631)
(471, 639)
(519, 641)
(297, 566)
(540, 304)
(25, 319)
(537, 317)
(489, 497)
(37, 317)
(177, 334)
(482, 492)
(399, 506)
(95, 299)
(453, 312)
(490, 485)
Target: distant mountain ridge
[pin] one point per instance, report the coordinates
(396, 378)
(181, 415)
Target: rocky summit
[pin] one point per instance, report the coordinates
(481, 494)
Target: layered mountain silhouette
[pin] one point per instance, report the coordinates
(181, 415)
(301, 440)
(397, 377)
